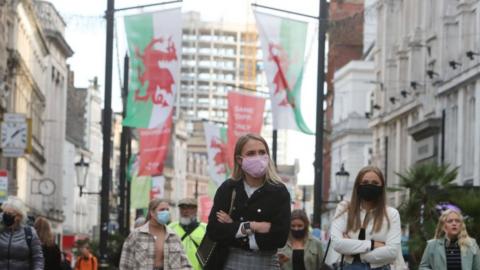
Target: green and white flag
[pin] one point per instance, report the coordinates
(154, 44)
(216, 141)
(283, 45)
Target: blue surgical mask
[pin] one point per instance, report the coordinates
(163, 217)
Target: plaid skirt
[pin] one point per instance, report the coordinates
(251, 260)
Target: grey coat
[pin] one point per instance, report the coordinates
(14, 251)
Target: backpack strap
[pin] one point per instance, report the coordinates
(28, 238)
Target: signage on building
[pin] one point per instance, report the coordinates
(3, 185)
(15, 136)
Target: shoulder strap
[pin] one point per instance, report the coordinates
(326, 251)
(234, 194)
(28, 238)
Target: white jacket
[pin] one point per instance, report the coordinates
(351, 245)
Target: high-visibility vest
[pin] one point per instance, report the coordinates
(191, 242)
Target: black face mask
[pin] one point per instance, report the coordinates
(8, 220)
(299, 234)
(369, 192)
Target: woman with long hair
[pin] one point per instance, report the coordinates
(365, 231)
(260, 218)
(452, 248)
(51, 252)
(303, 251)
(154, 245)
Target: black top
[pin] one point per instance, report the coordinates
(361, 236)
(454, 257)
(297, 259)
(270, 203)
(190, 227)
(52, 257)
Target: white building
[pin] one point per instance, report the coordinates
(351, 136)
(55, 110)
(84, 137)
(427, 59)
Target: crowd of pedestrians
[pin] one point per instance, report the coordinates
(252, 227)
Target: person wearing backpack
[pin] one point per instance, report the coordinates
(86, 260)
(20, 247)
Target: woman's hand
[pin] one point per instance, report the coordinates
(260, 227)
(223, 217)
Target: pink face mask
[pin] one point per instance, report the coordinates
(255, 166)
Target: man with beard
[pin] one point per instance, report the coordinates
(189, 229)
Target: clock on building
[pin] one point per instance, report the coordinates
(14, 135)
(46, 187)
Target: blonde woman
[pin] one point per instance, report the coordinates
(153, 245)
(451, 248)
(20, 247)
(260, 220)
(365, 230)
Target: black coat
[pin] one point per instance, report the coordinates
(52, 257)
(270, 203)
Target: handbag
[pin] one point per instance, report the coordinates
(209, 255)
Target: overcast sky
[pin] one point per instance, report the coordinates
(85, 33)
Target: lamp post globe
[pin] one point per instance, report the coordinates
(341, 181)
(81, 168)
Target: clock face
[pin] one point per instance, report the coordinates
(46, 187)
(14, 135)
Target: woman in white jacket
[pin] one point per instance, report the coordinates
(365, 231)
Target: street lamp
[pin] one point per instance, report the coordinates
(341, 180)
(81, 168)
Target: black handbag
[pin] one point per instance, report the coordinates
(209, 253)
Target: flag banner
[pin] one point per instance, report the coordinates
(205, 204)
(140, 192)
(132, 168)
(154, 145)
(158, 187)
(245, 115)
(3, 185)
(216, 141)
(283, 45)
(154, 44)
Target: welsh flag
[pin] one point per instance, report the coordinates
(154, 44)
(216, 140)
(283, 45)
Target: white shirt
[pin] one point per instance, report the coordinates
(350, 246)
(251, 238)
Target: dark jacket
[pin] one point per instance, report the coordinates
(53, 259)
(270, 203)
(14, 251)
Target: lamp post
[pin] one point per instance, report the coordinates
(341, 180)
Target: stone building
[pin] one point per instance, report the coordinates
(427, 60)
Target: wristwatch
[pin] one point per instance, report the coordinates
(247, 228)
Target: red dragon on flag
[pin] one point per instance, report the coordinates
(220, 158)
(278, 55)
(153, 73)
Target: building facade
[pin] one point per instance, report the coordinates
(345, 43)
(427, 60)
(351, 136)
(33, 82)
